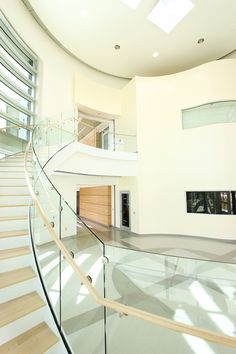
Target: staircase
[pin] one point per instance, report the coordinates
(25, 320)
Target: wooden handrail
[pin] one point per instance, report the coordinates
(121, 308)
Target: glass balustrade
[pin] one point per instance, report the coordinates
(76, 311)
(99, 134)
(188, 291)
(14, 136)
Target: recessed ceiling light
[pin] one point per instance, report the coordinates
(117, 47)
(155, 54)
(84, 13)
(132, 3)
(168, 13)
(201, 40)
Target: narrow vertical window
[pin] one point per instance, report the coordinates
(18, 76)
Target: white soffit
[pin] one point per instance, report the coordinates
(90, 30)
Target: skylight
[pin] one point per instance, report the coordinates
(168, 13)
(132, 3)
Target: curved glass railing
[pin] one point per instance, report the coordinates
(14, 136)
(100, 134)
(112, 300)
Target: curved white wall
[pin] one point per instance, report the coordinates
(173, 161)
(81, 159)
(57, 69)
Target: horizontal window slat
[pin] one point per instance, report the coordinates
(15, 88)
(17, 40)
(18, 75)
(9, 118)
(9, 66)
(18, 45)
(13, 53)
(15, 105)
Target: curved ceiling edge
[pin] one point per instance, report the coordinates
(45, 29)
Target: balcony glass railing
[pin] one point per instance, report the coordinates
(99, 134)
(113, 300)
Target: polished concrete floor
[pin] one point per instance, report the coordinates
(191, 291)
(172, 245)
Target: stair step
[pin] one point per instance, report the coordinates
(12, 218)
(14, 252)
(16, 276)
(14, 195)
(37, 340)
(12, 178)
(17, 190)
(12, 174)
(10, 165)
(12, 310)
(18, 159)
(10, 161)
(9, 223)
(8, 210)
(8, 199)
(14, 206)
(13, 233)
(6, 168)
(13, 182)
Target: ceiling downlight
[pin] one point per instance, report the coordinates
(201, 40)
(155, 54)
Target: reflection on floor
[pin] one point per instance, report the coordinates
(196, 292)
(176, 245)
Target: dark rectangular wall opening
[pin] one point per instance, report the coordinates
(220, 202)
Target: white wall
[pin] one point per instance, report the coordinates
(97, 96)
(127, 124)
(57, 69)
(173, 161)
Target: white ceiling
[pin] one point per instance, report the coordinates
(109, 22)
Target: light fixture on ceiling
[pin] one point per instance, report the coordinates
(201, 40)
(168, 13)
(155, 54)
(117, 47)
(84, 13)
(132, 3)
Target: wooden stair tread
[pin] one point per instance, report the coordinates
(37, 340)
(12, 310)
(14, 206)
(14, 233)
(12, 177)
(11, 218)
(14, 252)
(16, 276)
(14, 195)
(13, 185)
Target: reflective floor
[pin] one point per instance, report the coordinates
(191, 291)
(176, 245)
